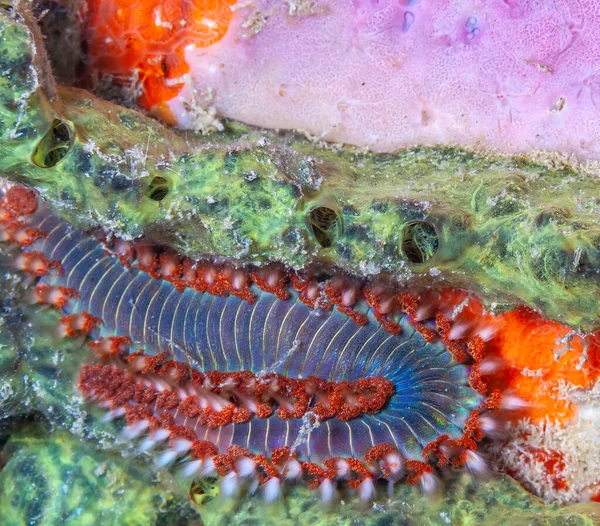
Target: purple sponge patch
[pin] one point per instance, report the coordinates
(511, 75)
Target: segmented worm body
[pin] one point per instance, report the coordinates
(256, 373)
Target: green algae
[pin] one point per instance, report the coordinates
(37, 369)
(56, 479)
(508, 229)
(465, 502)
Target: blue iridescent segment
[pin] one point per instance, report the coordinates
(432, 395)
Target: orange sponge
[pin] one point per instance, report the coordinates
(147, 39)
(541, 356)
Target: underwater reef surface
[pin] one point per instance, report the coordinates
(265, 370)
(54, 478)
(510, 230)
(507, 75)
(498, 502)
(71, 483)
(49, 474)
(61, 463)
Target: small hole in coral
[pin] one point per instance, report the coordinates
(158, 189)
(202, 491)
(326, 225)
(54, 146)
(419, 242)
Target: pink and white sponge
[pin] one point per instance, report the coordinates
(507, 75)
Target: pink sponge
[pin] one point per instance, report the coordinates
(513, 75)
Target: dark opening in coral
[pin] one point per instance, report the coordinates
(326, 226)
(419, 242)
(54, 146)
(158, 189)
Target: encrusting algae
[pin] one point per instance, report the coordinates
(508, 229)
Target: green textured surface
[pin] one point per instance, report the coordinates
(37, 369)
(510, 230)
(55, 479)
(465, 502)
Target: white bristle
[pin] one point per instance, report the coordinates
(137, 364)
(208, 467)
(135, 430)
(147, 444)
(210, 274)
(159, 385)
(272, 489)
(230, 485)
(20, 262)
(114, 414)
(272, 279)
(61, 331)
(327, 491)
(385, 306)
(422, 314)
(248, 402)
(155, 438)
(238, 281)
(253, 486)
(512, 403)
(54, 295)
(192, 468)
(429, 483)
(349, 297)
(366, 490)
(486, 333)
(245, 467)
(445, 449)
(342, 469)
(477, 463)
(488, 425)
(390, 489)
(166, 458)
(218, 403)
(489, 366)
(293, 469)
(161, 435)
(181, 446)
(457, 331)
(393, 463)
